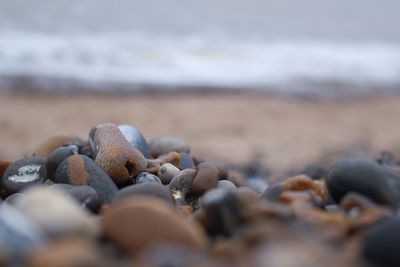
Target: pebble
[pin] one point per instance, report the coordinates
(166, 172)
(171, 157)
(56, 213)
(3, 166)
(115, 155)
(186, 161)
(181, 185)
(226, 186)
(380, 247)
(85, 195)
(165, 144)
(143, 222)
(155, 190)
(146, 177)
(135, 138)
(53, 143)
(55, 158)
(206, 177)
(24, 173)
(81, 170)
(364, 176)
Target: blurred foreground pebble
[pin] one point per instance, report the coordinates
(117, 200)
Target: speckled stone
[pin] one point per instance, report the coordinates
(165, 144)
(206, 177)
(81, 170)
(166, 172)
(135, 138)
(157, 223)
(24, 173)
(114, 154)
(155, 190)
(56, 213)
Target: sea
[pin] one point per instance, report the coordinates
(281, 47)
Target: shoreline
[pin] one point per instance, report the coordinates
(282, 133)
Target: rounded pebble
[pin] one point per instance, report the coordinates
(146, 177)
(135, 138)
(24, 173)
(206, 177)
(115, 155)
(157, 223)
(226, 185)
(155, 190)
(55, 158)
(81, 170)
(166, 172)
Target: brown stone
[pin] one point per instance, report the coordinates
(206, 178)
(115, 155)
(3, 166)
(172, 157)
(141, 222)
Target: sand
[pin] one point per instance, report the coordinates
(232, 129)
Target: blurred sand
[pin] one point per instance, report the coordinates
(232, 128)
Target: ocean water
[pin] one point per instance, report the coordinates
(277, 46)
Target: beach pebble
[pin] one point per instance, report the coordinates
(81, 170)
(68, 253)
(56, 213)
(114, 154)
(380, 246)
(186, 161)
(19, 236)
(364, 176)
(181, 185)
(155, 190)
(171, 157)
(165, 144)
(24, 173)
(222, 211)
(135, 138)
(206, 177)
(258, 184)
(166, 172)
(55, 158)
(146, 177)
(226, 185)
(85, 195)
(139, 223)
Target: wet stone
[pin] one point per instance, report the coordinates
(367, 177)
(206, 177)
(24, 173)
(158, 224)
(114, 154)
(55, 158)
(186, 161)
(155, 190)
(166, 172)
(165, 144)
(81, 170)
(85, 195)
(135, 138)
(146, 177)
(56, 213)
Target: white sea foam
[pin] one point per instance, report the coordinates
(199, 61)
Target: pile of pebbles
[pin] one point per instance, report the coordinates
(117, 200)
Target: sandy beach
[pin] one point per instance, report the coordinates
(233, 129)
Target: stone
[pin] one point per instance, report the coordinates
(135, 138)
(181, 186)
(166, 172)
(45, 149)
(114, 154)
(165, 144)
(146, 177)
(226, 186)
(206, 177)
(81, 170)
(55, 158)
(186, 161)
(4, 164)
(85, 195)
(365, 176)
(155, 190)
(139, 223)
(56, 213)
(24, 173)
